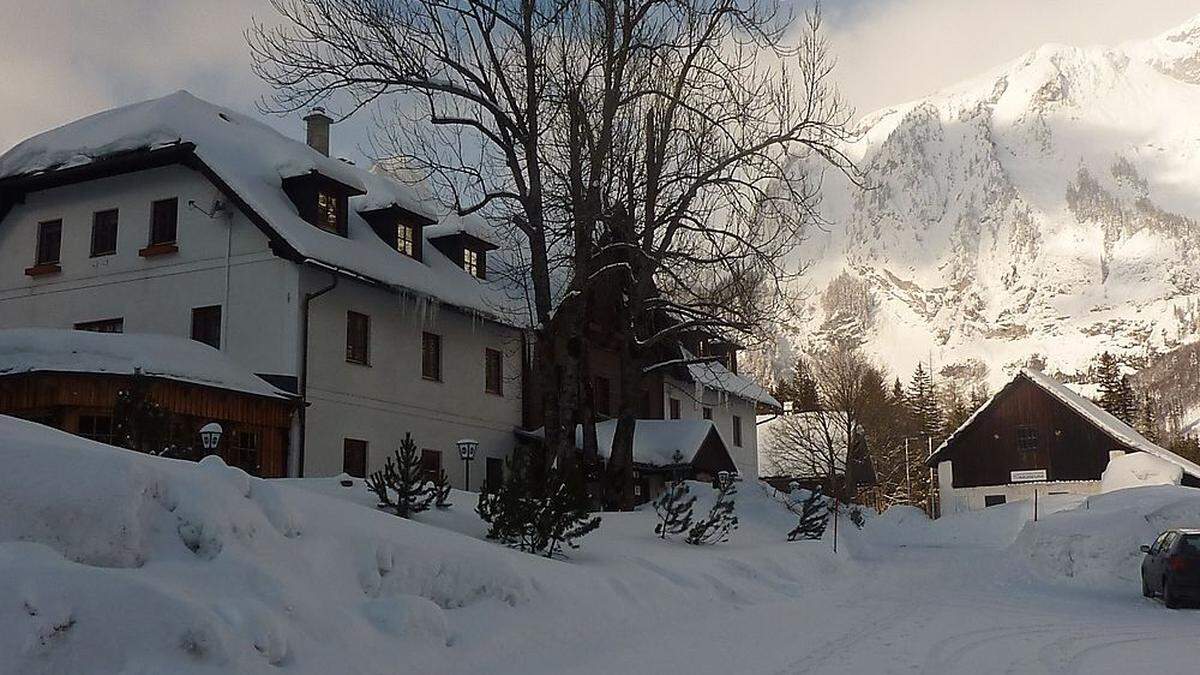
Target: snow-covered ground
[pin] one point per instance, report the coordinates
(119, 562)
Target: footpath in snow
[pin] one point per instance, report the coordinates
(116, 562)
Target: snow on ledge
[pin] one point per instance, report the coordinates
(29, 350)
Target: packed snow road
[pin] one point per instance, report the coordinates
(145, 565)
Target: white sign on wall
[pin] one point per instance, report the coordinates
(1028, 476)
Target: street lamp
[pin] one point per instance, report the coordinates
(466, 452)
(210, 436)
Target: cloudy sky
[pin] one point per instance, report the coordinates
(62, 59)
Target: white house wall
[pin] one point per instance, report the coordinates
(724, 407)
(963, 499)
(380, 402)
(157, 294)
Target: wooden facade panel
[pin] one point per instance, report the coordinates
(1026, 427)
(59, 399)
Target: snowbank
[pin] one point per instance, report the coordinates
(1137, 469)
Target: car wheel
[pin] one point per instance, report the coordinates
(1169, 598)
(1146, 591)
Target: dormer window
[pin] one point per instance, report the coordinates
(327, 212)
(466, 250)
(321, 200)
(400, 228)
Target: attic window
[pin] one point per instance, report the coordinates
(327, 212)
(471, 259)
(406, 239)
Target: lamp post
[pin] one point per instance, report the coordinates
(466, 452)
(210, 436)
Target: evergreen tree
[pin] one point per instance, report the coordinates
(923, 405)
(1127, 402)
(720, 521)
(814, 514)
(141, 423)
(536, 517)
(1148, 418)
(1108, 376)
(403, 476)
(441, 490)
(800, 389)
(674, 510)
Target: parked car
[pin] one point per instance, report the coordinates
(1171, 567)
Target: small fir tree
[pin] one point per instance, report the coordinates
(674, 509)
(540, 518)
(441, 490)
(720, 521)
(562, 516)
(403, 476)
(814, 515)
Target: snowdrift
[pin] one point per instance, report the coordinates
(1138, 469)
(116, 561)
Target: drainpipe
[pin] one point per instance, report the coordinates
(303, 383)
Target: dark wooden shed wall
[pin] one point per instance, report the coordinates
(1070, 447)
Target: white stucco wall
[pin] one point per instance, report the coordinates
(958, 500)
(379, 403)
(724, 408)
(152, 295)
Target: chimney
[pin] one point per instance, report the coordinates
(318, 130)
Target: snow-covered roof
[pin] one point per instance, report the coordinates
(29, 350)
(655, 442)
(713, 375)
(1100, 418)
(253, 159)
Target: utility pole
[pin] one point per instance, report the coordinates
(907, 472)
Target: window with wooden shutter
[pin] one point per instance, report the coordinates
(49, 242)
(354, 457)
(104, 233)
(358, 338)
(493, 369)
(164, 221)
(431, 356)
(206, 325)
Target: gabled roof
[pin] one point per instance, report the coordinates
(1097, 416)
(713, 375)
(34, 350)
(655, 442)
(251, 159)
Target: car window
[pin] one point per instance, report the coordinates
(1168, 541)
(1189, 544)
(1158, 543)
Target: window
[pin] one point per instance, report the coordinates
(49, 242)
(1027, 439)
(993, 500)
(431, 463)
(164, 221)
(245, 451)
(602, 396)
(358, 338)
(471, 262)
(493, 370)
(406, 239)
(327, 212)
(104, 233)
(206, 325)
(431, 356)
(494, 474)
(676, 411)
(708, 413)
(737, 431)
(354, 457)
(103, 326)
(96, 427)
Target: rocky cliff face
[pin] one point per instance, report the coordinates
(1046, 209)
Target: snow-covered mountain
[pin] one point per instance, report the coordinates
(1045, 209)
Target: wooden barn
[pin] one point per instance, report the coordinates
(90, 384)
(1035, 434)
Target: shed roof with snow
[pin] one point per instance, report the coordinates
(250, 161)
(1034, 403)
(49, 350)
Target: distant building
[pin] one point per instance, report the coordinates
(809, 449)
(1035, 434)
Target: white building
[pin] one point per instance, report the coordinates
(179, 217)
